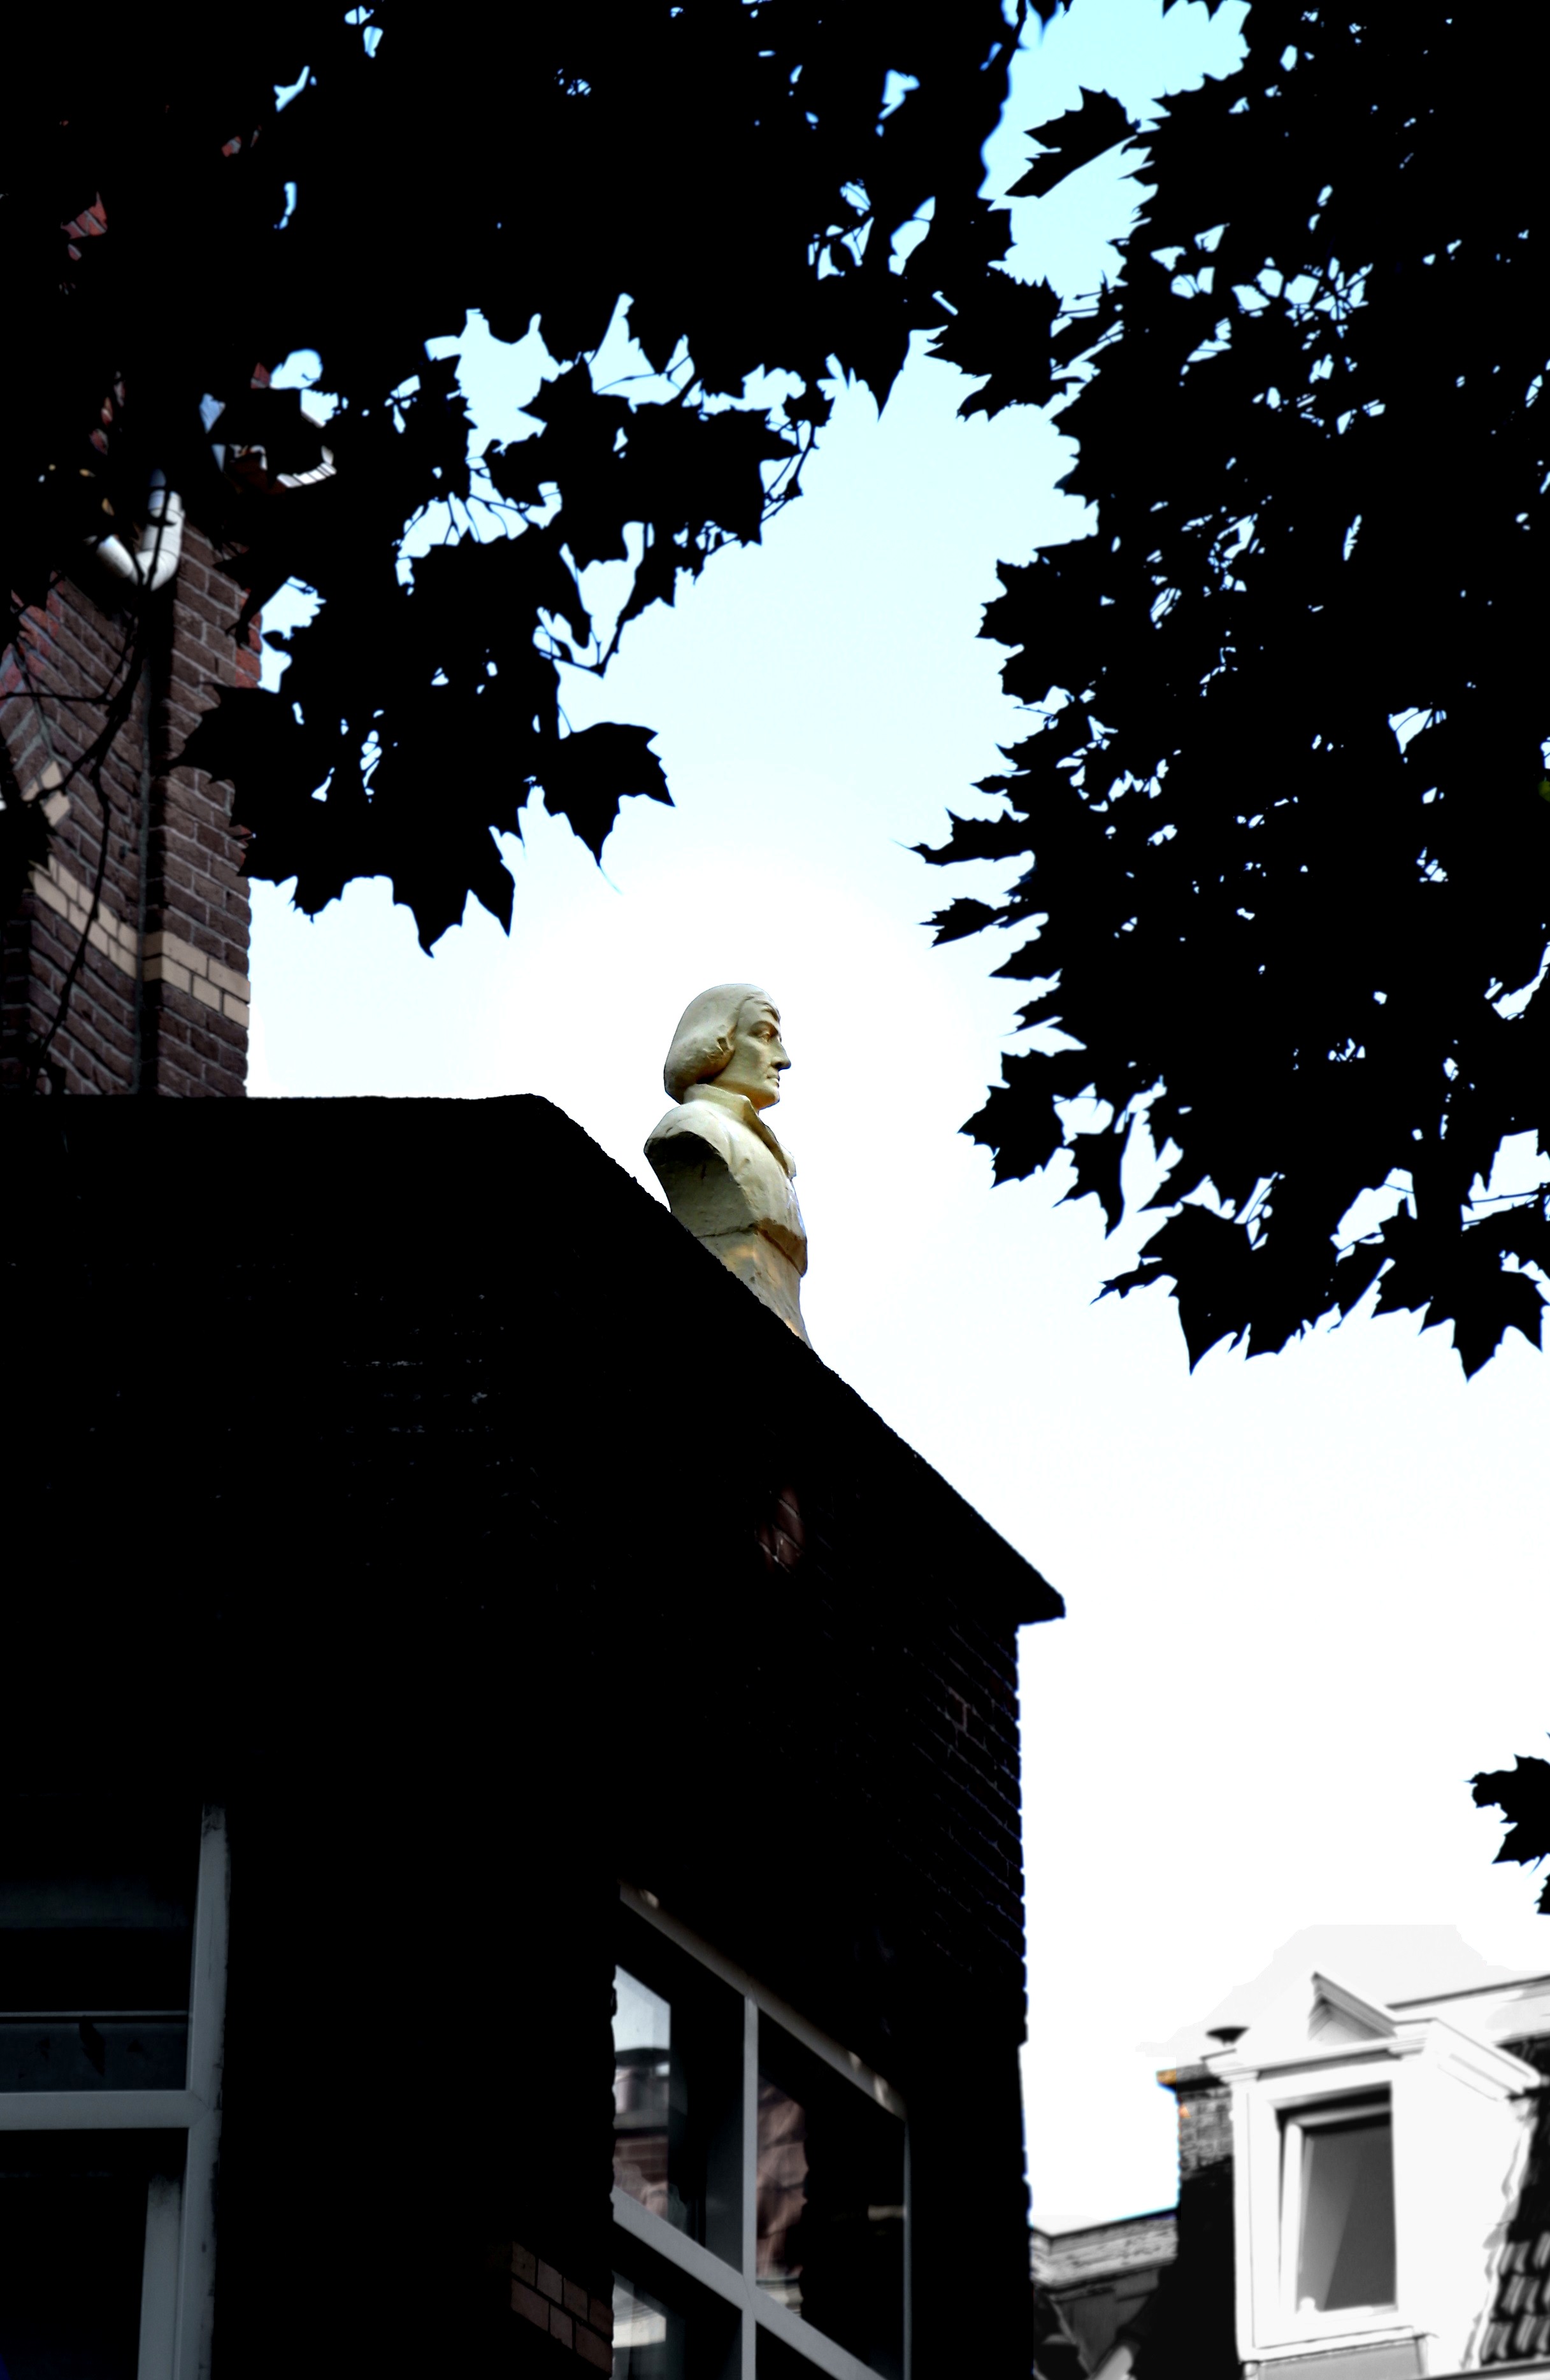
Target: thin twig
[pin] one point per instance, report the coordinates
(89, 764)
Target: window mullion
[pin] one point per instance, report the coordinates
(158, 2293)
(207, 1997)
(1291, 2213)
(753, 2089)
(749, 2350)
(909, 2262)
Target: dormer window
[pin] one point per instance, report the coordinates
(1373, 2148)
(1337, 2204)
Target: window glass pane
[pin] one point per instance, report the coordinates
(830, 2227)
(664, 2328)
(1346, 2237)
(96, 1913)
(648, 2342)
(774, 2361)
(72, 2250)
(93, 2053)
(649, 2100)
(677, 2068)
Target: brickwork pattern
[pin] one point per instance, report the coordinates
(160, 1003)
(568, 2312)
(942, 1703)
(1204, 2122)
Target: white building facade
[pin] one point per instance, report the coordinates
(1364, 2183)
(1381, 2153)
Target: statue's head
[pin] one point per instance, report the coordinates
(730, 1035)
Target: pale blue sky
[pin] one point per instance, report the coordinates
(1306, 1595)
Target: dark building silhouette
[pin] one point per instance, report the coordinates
(489, 1714)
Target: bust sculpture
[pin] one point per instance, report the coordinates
(726, 1176)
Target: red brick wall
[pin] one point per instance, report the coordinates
(159, 1004)
(557, 2307)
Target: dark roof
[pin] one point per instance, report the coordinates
(1097, 2285)
(210, 1240)
(1098, 2250)
(1519, 2323)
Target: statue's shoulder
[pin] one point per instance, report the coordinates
(695, 1120)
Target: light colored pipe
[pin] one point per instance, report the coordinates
(160, 544)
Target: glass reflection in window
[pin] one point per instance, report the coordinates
(782, 2170)
(1346, 2226)
(830, 2210)
(649, 2101)
(678, 2090)
(648, 2336)
(96, 2051)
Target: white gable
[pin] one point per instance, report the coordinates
(1329, 2025)
(1315, 2013)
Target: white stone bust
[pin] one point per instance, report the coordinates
(726, 1176)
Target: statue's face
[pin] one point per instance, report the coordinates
(757, 1059)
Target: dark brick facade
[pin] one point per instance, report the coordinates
(160, 1003)
(480, 1542)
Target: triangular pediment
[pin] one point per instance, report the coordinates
(1316, 2013)
(1329, 2024)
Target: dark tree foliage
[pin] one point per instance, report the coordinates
(726, 178)
(1285, 808)
(1522, 1795)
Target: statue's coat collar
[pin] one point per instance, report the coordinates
(746, 1112)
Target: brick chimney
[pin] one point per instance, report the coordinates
(158, 951)
(1193, 2334)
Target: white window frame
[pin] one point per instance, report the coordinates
(176, 2302)
(736, 2286)
(1296, 2125)
(1269, 2114)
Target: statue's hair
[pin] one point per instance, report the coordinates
(703, 1044)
